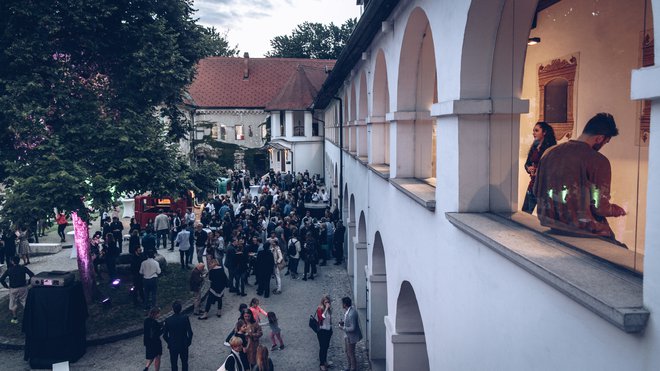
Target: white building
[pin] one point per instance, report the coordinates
(428, 113)
(297, 134)
(228, 98)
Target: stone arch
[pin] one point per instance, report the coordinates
(409, 351)
(362, 228)
(361, 124)
(352, 123)
(380, 106)
(350, 236)
(416, 93)
(377, 303)
(380, 88)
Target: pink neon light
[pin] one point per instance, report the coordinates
(81, 238)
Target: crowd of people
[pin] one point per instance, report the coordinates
(237, 237)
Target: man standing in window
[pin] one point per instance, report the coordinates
(573, 182)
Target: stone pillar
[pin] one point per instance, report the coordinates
(405, 351)
(350, 254)
(360, 279)
(376, 312)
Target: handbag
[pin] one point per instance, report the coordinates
(236, 360)
(313, 323)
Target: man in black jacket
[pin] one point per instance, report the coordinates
(178, 335)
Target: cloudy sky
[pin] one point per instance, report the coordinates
(253, 23)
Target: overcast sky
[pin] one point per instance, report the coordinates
(253, 23)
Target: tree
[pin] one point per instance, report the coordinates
(218, 44)
(313, 40)
(88, 103)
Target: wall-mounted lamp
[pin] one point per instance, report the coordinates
(533, 40)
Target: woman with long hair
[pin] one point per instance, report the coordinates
(264, 363)
(23, 244)
(544, 138)
(152, 332)
(253, 335)
(324, 318)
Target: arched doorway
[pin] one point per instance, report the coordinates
(377, 303)
(408, 339)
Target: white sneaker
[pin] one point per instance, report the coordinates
(226, 344)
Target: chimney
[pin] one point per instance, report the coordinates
(246, 69)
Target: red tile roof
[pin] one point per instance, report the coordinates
(300, 90)
(219, 82)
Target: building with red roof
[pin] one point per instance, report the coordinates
(232, 98)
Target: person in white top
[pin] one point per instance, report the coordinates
(150, 269)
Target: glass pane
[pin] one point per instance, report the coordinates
(591, 188)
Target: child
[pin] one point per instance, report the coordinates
(256, 310)
(241, 308)
(275, 331)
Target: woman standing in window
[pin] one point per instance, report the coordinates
(544, 138)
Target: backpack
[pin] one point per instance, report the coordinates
(291, 249)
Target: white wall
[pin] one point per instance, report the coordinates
(479, 310)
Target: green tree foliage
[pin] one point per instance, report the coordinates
(88, 97)
(218, 44)
(313, 40)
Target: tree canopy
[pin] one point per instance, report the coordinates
(313, 40)
(88, 100)
(218, 43)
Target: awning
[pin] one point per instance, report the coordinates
(277, 146)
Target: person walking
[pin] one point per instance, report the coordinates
(178, 335)
(185, 250)
(324, 319)
(275, 331)
(175, 228)
(60, 218)
(218, 280)
(352, 333)
(152, 332)
(18, 285)
(196, 282)
(150, 269)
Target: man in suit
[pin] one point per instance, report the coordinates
(178, 335)
(352, 333)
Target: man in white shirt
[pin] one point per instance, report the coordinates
(150, 269)
(183, 242)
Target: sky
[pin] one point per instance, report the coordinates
(253, 23)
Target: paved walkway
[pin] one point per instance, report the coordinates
(293, 307)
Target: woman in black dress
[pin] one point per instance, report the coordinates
(544, 138)
(152, 332)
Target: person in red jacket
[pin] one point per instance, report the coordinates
(61, 225)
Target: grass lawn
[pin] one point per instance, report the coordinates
(173, 285)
